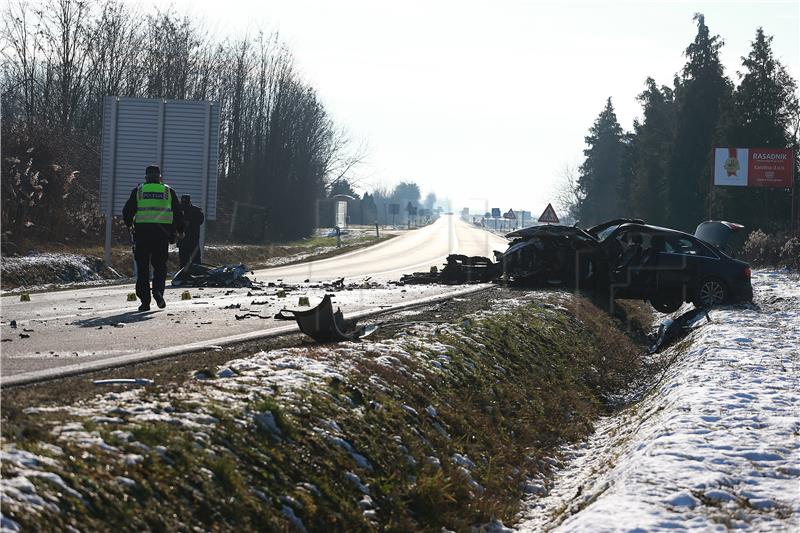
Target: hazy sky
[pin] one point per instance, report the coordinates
(486, 102)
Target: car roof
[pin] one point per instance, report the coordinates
(659, 229)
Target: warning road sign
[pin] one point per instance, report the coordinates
(549, 215)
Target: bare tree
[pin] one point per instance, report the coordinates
(567, 191)
(69, 42)
(21, 54)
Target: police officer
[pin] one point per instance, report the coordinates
(189, 246)
(156, 212)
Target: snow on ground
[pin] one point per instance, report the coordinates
(58, 267)
(281, 374)
(714, 445)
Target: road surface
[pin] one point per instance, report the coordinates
(75, 327)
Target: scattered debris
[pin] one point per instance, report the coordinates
(303, 301)
(186, 295)
(24, 297)
(131, 296)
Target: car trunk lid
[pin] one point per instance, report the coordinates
(717, 232)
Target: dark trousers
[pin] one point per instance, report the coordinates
(152, 248)
(189, 252)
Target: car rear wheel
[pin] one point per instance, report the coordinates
(664, 303)
(711, 292)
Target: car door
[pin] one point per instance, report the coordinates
(679, 264)
(627, 250)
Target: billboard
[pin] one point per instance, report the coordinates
(753, 167)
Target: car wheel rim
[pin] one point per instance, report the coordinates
(711, 293)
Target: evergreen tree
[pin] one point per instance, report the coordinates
(699, 95)
(599, 177)
(627, 174)
(653, 138)
(765, 107)
(369, 211)
(343, 187)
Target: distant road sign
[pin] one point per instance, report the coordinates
(510, 215)
(394, 209)
(495, 212)
(549, 215)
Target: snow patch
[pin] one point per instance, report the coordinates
(716, 441)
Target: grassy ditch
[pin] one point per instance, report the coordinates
(440, 423)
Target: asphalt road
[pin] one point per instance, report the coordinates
(74, 327)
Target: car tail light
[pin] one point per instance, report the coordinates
(747, 272)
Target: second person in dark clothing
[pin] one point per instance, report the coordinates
(155, 213)
(189, 246)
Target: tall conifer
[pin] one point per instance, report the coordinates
(699, 94)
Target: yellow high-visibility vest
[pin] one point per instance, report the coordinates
(153, 204)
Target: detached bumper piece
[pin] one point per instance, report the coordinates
(672, 330)
(323, 324)
(195, 275)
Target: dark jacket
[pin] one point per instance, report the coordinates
(193, 218)
(129, 211)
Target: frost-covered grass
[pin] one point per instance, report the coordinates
(713, 445)
(31, 270)
(436, 425)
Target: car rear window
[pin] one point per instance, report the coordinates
(687, 246)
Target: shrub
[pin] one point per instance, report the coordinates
(773, 250)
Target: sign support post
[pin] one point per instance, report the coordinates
(110, 211)
(204, 199)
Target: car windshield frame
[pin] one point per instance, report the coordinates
(603, 234)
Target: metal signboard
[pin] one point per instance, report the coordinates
(510, 215)
(394, 209)
(341, 214)
(549, 215)
(495, 212)
(180, 136)
(753, 167)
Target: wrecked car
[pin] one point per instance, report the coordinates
(626, 259)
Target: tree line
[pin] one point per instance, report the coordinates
(279, 148)
(374, 207)
(661, 170)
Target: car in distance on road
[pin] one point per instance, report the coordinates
(628, 259)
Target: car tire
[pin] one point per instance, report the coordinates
(711, 292)
(665, 304)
